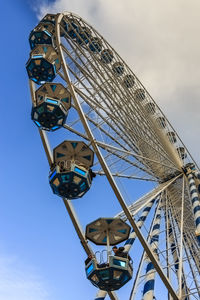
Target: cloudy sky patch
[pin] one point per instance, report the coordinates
(18, 280)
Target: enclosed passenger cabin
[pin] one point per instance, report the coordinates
(53, 102)
(42, 35)
(139, 95)
(171, 136)
(49, 18)
(150, 108)
(181, 152)
(84, 35)
(75, 31)
(95, 45)
(71, 27)
(107, 56)
(112, 277)
(43, 64)
(161, 121)
(118, 68)
(129, 81)
(118, 270)
(71, 175)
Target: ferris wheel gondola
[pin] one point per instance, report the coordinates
(118, 270)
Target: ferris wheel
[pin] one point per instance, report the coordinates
(79, 83)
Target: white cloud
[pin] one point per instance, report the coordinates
(160, 42)
(19, 281)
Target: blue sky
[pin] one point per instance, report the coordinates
(40, 255)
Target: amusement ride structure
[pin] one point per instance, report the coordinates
(79, 83)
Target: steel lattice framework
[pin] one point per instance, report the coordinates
(132, 139)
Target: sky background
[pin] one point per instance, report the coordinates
(40, 255)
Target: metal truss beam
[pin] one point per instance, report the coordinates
(144, 200)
